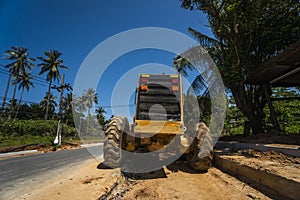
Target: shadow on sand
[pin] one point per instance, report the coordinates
(179, 165)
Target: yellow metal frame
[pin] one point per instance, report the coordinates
(158, 127)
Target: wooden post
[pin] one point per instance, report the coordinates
(271, 108)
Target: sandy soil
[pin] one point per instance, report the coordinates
(178, 181)
(84, 181)
(271, 161)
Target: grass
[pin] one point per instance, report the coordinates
(9, 141)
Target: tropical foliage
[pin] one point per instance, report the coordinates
(32, 127)
(101, 118)
(27, 124)
(51, 65)
(24, 83)
(246, 34)
(286, 105)
(20, 66)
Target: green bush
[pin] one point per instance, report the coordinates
(10, 141)
(33, 127)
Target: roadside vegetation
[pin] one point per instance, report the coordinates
(245, 35)
(37, 123)
(287, 112)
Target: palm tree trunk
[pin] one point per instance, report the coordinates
(19, 104)
(61, 97)
(48, 100)
(15, 89)
(5, 93)
(88, 121)
(13, 98)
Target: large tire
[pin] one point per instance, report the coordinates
(112, 149)
(201, 157)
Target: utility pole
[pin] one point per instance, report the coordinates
(61, 90)
(60, 107)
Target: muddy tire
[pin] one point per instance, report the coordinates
(201, 157)
(112, 148)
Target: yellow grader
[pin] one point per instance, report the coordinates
(158, 122)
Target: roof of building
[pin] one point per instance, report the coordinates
(282, 70)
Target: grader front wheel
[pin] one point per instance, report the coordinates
(112, 148)
(201, 157)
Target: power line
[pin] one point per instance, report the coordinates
(104, 106)
(38, 82)
(4, 72)
(29, 112)
(115, 106)
(37, 78)
(26, 101)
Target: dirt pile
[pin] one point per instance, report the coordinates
(271, 172)
(270, 161)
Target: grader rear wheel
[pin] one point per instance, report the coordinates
(201, 156)
(112, 148)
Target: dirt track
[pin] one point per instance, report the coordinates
(177, 181)
(84, 181)
(90, 180)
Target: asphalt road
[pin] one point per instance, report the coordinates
(26, 170)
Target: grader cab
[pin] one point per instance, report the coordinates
(159, 120)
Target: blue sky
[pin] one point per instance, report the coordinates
(76, 27)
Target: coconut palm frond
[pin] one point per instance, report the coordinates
(181, 65)
(197, 86)
(204, 40)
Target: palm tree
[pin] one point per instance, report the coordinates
(49, 101)
(6, 91)
(24, 82)
(198, 57)
(67, 106)
(67, 103)
(50, 65)
(19, 55)
(183, 66)
(89, 97)
(12, 104)
(100, 116)
(79, 104)
(100, 111)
